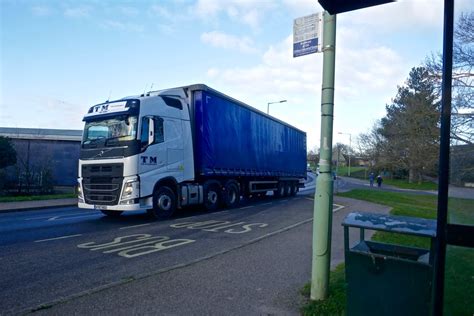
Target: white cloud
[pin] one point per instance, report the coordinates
(78, 12)
(227, 41)
(42, 10)
(129, 11)
(162, 12)
(121, 26)
(248, 12)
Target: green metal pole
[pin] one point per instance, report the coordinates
(322, 219)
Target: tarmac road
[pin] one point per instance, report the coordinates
(51, 254)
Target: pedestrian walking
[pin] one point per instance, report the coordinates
(379, 181)
(371, 179)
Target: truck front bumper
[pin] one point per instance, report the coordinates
(144, 204)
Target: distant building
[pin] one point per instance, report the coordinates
(43, 155)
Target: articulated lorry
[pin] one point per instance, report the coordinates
(168, 149)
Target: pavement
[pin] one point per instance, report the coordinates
(6, 207)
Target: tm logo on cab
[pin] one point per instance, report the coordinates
(148, 160)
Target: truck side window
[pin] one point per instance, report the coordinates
(159, 130)
(159, 136)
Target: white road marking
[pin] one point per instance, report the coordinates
(338, 207)
(56, 238)
(134, 226)
(283, 201)
(245, 207)
(48, 217)
(59, 218)
(335, 207)
(267, 203)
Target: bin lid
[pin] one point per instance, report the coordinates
(391, 223)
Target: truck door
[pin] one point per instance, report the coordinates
(152, 159)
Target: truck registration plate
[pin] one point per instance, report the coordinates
(100, 207)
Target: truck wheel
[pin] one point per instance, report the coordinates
(287, 189)
(294, 189)
(164, 203)
(112, 213)
(261, 195)
(280, 191)
(212, 196)
(231, 194)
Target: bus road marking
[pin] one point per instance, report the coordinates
(136, 245)
(57, 238)
(219, 226)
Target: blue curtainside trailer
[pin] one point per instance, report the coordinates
(234, 139)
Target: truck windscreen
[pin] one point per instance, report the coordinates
(110, 132)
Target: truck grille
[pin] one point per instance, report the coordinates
(102, 183)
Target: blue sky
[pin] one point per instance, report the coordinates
(58, 58)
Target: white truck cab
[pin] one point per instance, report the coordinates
(129, 145)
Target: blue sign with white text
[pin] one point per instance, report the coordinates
(305, 47)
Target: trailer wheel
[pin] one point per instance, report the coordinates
(261, 195)
(212, 196)
(164, 203)
(287, 189)
(280, 191)
(231, 194)
(294, 189)
(112, 213)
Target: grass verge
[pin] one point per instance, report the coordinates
(336, 302)
(363, 174)
(403, 184)
(356, 172)
(23, 198)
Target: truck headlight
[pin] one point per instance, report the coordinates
(131, 190)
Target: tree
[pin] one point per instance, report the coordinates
(370, 147)
(410, 128)
(341, 153)
(312, 157)
(462, 126)
(7, 153)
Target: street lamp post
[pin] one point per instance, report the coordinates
(350, 149)
(268, 105)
